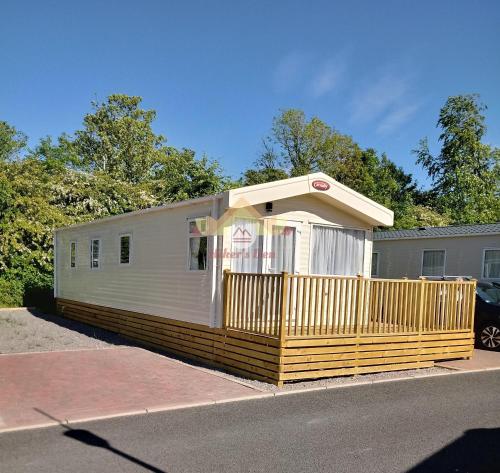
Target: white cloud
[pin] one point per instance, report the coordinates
(378, 97)
(326, 79)
(396, 118)
(290, 71)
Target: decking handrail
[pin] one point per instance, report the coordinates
(292, 305)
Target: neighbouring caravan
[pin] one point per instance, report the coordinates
(254, 279)
(433, 252)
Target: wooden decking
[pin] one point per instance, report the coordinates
(332, 326)
(280, 328)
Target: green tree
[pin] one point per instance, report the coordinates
(297, 146)
(12, 142)
(118, 139)
(181, 176)
(465, 177)
(38, 198)
(302, 144)
(57, 156)
(266, 169)
(416, 215)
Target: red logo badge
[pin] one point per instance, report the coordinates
(321, 185)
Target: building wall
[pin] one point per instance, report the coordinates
(464, 255)
(156, 282)
(308, 210)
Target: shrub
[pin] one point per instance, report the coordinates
(11, 292)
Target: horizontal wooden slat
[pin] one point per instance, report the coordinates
(379, 360)
(303, 342)
(301, 375)
(356, 354)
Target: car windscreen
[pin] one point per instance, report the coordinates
(489, 294)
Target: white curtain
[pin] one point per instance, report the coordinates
(433, 263)
(492, 264)
(337, 251)
(246, 246)
(283, 249)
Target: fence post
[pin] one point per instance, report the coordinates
(472, 295)
(359, 304)
(422, 304)
(226, 299)
(283, 306)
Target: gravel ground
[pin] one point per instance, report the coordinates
(26, 330)
(340, 380)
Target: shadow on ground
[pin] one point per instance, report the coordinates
(90, 439)
(476, 451)
(84, 329)
(116, 339)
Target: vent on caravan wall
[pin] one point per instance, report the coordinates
(269, 206)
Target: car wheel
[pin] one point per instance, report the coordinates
(489, 337)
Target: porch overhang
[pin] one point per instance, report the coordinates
(318, 185)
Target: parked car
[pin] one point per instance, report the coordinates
(487, 318)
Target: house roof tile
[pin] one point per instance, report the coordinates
(437, 232)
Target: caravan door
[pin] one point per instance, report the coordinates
(282, 242)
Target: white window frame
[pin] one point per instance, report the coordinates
(71, 243)
(313, 224)
(484, 261)
(189, 236)
(268, 223)
(120, 249)
(92, 255)
(422, 262)
(377, 269)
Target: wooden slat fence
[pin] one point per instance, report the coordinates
(253, 302)
(283, 305)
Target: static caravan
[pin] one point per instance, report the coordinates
(249, 279)
(455, 250)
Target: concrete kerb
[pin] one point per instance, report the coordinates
(11, 309)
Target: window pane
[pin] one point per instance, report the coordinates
(72, 255)
(433, 263)
(94, 257)
(491, 264)
(246, 245)
(337, 251)
(283, 249)
(198, 227)
(374, 264)
(198, 253)
(125, 249)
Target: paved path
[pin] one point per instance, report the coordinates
(82, 384)
(441, 424)
(481, 360)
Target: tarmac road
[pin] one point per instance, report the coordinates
(441, 424)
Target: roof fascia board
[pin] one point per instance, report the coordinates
(342, 197)
(160, 208)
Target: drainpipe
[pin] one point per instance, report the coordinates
(54, 239)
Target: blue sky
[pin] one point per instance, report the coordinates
(217, 72)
